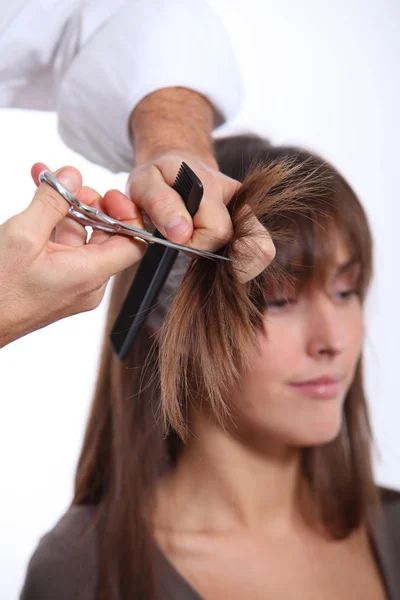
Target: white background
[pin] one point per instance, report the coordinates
(318, 73)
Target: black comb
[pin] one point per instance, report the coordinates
(152, 272)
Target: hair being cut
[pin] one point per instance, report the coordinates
(196, 344)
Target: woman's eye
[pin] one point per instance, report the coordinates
(280, 302)
(348, 293)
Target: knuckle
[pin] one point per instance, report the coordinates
(159, 204)
(139, 180)
(268, 249)
(90, 301)
(81, 302)
(53, 199)
(223, 232)
(272, 252)
(87, 299)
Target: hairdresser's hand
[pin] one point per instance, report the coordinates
(167, 127)
(149, 186)
(47, 270)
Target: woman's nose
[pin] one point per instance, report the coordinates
(324, 335)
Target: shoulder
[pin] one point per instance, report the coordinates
(64, 562)
(390, 502)
(387, 527)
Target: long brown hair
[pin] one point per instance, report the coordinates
(203, 331)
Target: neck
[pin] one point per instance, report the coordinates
(224, 480)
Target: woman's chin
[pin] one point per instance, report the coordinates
(317, 434)
(320, 439)
(303, 433)
(294, 437)
(304, 429)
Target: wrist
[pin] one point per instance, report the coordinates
(190, 155)
(159, 125)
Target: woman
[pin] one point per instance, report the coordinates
(230, 456)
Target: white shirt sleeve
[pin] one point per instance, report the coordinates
(146, 45)
(94, 60)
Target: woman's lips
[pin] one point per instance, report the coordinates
(326, 387)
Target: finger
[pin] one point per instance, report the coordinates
(114, 255)
(255, 252)
(89, 196)
(216, 227)
(48, 207)
(228, 186)
(120, 207)
(165, 207)
(36, 169)
(213, 224)
(70, 232)
(67, 232)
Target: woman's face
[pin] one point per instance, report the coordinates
(296, 388)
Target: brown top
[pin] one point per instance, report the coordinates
(64, 565)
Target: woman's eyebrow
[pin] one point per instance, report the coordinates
(347, 266)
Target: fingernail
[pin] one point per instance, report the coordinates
(70, 179)
(176, 226)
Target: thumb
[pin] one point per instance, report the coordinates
(48, 207)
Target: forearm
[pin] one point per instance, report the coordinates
(173, 120)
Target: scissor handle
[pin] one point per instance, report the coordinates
(89, 215)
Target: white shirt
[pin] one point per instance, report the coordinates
(93, 60)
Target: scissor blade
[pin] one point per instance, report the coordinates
(136, 232)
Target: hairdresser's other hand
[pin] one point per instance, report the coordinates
(173, 125)
(149, 186)
(44, 278)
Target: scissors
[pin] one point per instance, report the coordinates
(93, 217)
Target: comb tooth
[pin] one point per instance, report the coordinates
(187, 184)
(186, 180)
(183, 174)
(182, 179)
(183, 183)
(187, 175)
(180, 172)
